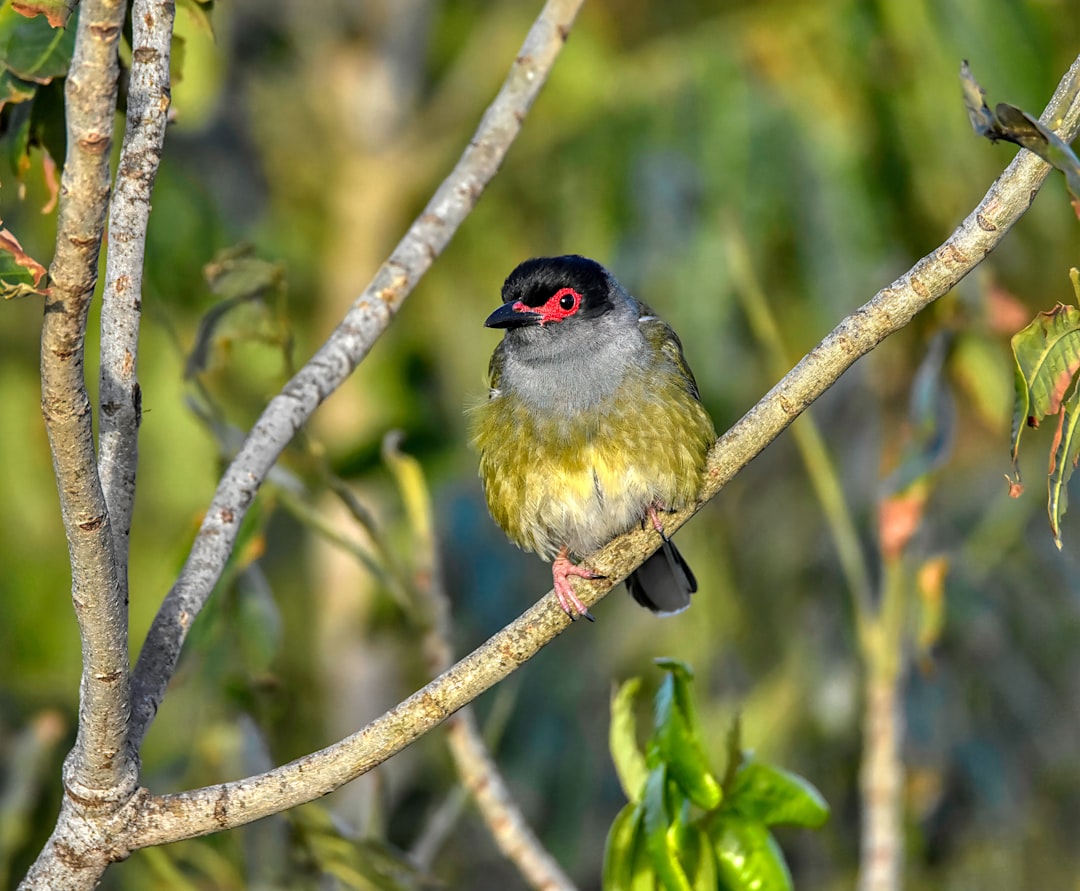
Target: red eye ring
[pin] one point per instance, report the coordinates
(560, 305)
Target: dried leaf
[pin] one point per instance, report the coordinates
(1011, 124)
(56, 12)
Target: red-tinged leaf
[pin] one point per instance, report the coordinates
(1016, 488)
(1047, 356)
(899, 518)
(14, 89)
(1005, 312)
(20, 274)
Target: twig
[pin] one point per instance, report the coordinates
(121, 307)
(345, 348)
(100, 764)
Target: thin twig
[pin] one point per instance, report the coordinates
(343, 350)
(148, 101)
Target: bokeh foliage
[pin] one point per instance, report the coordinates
(833, 136)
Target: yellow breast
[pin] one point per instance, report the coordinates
(577, 482)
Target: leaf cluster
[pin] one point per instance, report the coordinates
(684, 829)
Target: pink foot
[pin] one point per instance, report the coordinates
(561, 570)
(654, 516)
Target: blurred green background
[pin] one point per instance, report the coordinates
(830, 140)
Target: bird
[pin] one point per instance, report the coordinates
(593, 424)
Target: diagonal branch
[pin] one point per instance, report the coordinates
(121, 306)
(160, 819)
(473, 761)
(342, 352)
(100, 771)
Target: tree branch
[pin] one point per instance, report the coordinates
(344, 349)
(100, 769)
(121, 307)
(160, 819)
(101, 772)
(477, 769)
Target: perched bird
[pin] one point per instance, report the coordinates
(592, 424)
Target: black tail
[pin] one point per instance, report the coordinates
(663, 583)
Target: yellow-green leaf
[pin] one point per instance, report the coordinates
(772, 795)
(748, 856)
(622, 739)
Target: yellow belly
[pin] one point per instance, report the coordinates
(579, 482)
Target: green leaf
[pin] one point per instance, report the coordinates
(31, 49)
(678, 738)
(14, 89)
(699, 854)
(1063, 463)
(772, 795)
(622, 739)
(619, 850)
(238, 278)
(748, 856)
(658, 836)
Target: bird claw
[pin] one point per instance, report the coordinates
(657, 523)
(561, 570)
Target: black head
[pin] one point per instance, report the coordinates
(548, 290)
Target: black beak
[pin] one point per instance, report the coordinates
(507, 316)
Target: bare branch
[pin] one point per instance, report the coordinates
(167, 818)
(100, 770)
(121, 308)
(345, 348)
